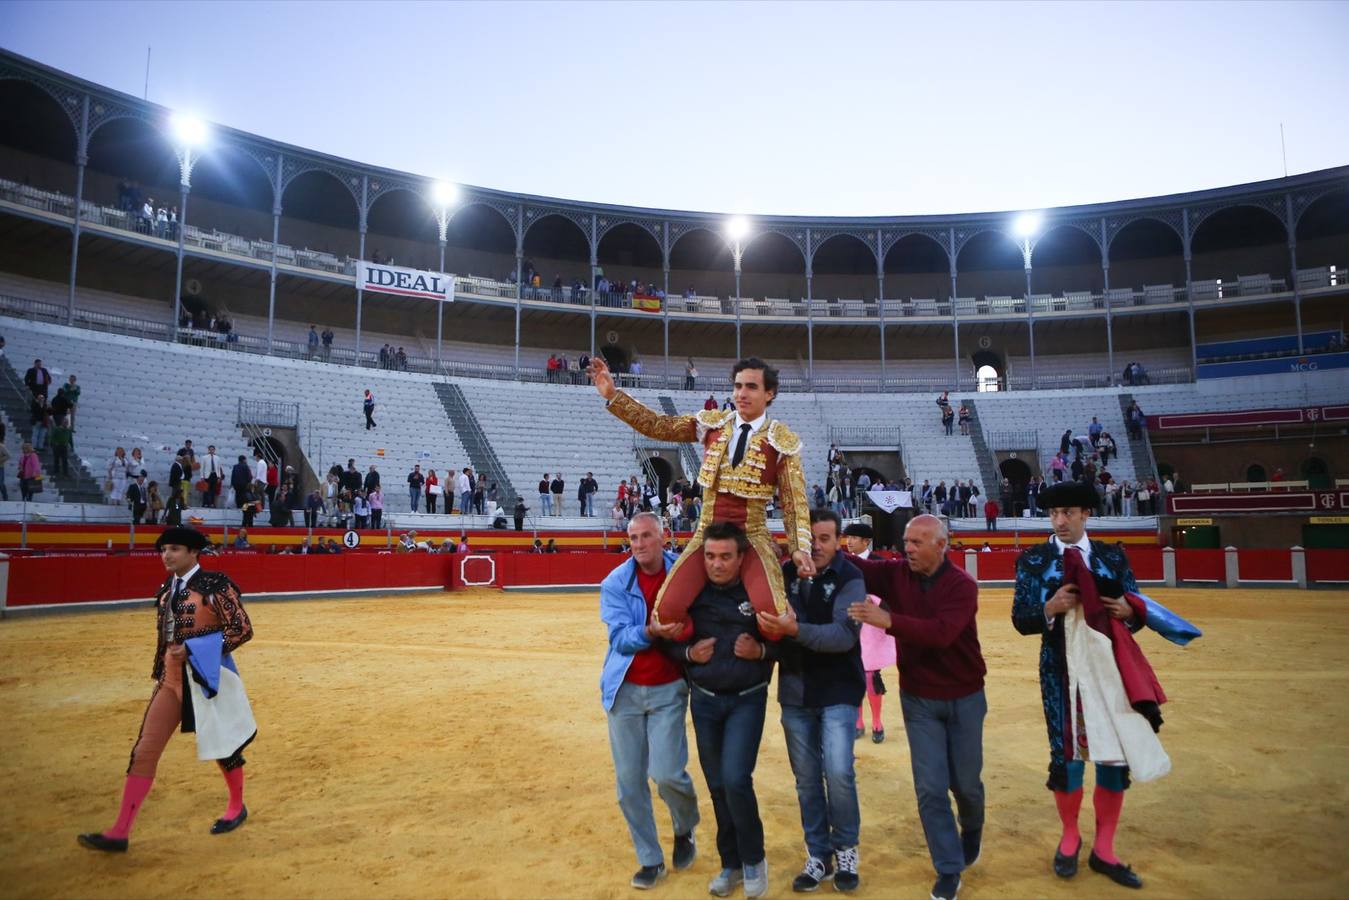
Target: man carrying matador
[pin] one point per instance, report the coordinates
(747, 457)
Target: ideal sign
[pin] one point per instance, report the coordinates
(403, 282)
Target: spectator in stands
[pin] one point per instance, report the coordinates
(1033, 494)
(690, 376)
(313, 507)
(948, 418)
(415, 481)
(213, 473)
(137, 499)
(538, 546)
(480, 495)
(727, 404)
(710, 404)
(173, 510)
(313, 342)
(280, 508)
(557, 486)
(402, 360)
(368, 405)
(30, 472)
(1094, 431)
(371, 479)
(62, 437)
(259, 476)
(327, 338)
(552, 546)
(4, 461)
(964, 420)
(375, 498)
(817, 497)
(178, 473)
(241, 540)
(545, 496)
(433, 492)
(69, 396)
(147, 218)
(519, 513)
(241, 477)
(39, 418)
(161, 223)
(273, 481)
(360, 510)
(1105, 445)
(463, 486)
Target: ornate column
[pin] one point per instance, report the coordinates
(276, 237)
(81, 160)
(1189, 290)
(1290, 224)
(1105, 298)
(364, 210)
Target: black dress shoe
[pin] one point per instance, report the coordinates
(1116, 872)
(685, 850)
(96, 841)
(222, 826)
(1065, 865)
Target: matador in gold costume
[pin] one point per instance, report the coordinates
(746, 458)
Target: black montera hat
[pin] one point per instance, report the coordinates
(1066, 494)
(860, 529)
(190, 538)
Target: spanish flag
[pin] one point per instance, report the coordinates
(646, 302)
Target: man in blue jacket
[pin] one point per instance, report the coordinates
(646, 697)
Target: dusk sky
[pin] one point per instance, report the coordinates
(823, 109)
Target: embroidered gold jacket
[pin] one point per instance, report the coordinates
(772, 460)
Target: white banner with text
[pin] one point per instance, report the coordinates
(416, 283)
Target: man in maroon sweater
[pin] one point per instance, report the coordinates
(929, 607)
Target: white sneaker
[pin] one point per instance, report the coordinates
(725, 882)
(756, 879)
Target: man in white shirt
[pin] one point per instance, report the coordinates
(213, 471)
(463, 486)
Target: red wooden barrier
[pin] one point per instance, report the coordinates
(36, 580)
(1328, 565)
(1265, 565)
(1199, 565)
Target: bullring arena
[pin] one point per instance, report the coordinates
(453, 744)
(291, 361)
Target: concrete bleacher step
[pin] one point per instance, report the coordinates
(476, 442)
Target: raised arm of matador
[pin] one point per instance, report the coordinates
(651, 423)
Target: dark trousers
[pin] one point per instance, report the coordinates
(430, 503)
(249, 513)
(137, 513)
(729, 729)
(946, 750)
(376, 516)
(991, 522)
(60, 460)
(519, 523)
(311, 518)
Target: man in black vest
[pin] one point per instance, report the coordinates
(138, 498)
(820, 686)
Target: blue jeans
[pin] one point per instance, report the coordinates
(545, 504)
(648, 740)
(588, 505)
(729, 729)
(465, 503)
(413, 494)
(820, 749)
(946, 747)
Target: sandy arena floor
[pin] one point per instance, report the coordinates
(454, 746)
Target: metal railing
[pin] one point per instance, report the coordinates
(273, 413)
(887, 436)
(1018, 439)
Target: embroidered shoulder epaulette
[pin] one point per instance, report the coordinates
(1114, 557)
(714, 418)
(781, 439)
(210, 583)
(1035, 560)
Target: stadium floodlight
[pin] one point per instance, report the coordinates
(1027, 224)
(737, 228)
(189, 130)
(444, 193)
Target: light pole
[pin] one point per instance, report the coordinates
(444, 195)
(190, 133)
(736, 229)
(1027, 224)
